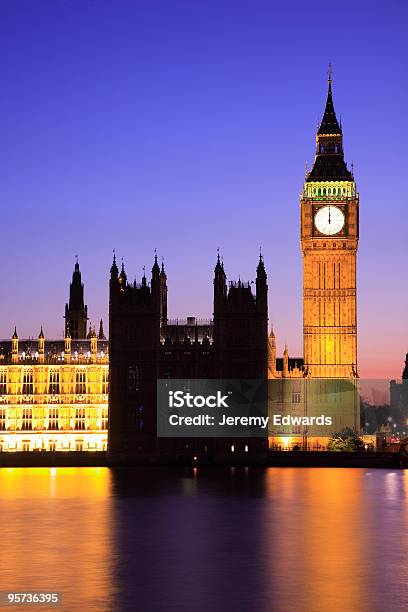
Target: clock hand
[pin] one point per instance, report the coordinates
(329, 214)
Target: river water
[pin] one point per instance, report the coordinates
(276, 539)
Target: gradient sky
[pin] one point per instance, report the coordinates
(186, 126)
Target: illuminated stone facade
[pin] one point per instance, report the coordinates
(329, 265)
(329, 297)
(54, 394)
(329, 257)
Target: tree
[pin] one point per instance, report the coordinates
(346, 440)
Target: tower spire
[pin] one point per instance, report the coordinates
(155, 269)
(329, 164)
(101, 334)
(76, 312)
(219, 267)
(260, 270)
(220, 282)
(329, 123)
(114, 267)
(122, 275)
(14, 346)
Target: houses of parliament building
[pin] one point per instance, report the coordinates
(54, 393)
(85, 392)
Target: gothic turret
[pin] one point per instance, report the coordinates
(101, 334)
(14, 346)
(76, 312)
(122, 276)
(41, 346)
(67, 345)
(156, 278)
(271, 355)
(220, 283)
(163, 294)
(114, 274)
(329, 164)
(94, 346)
(285, 372)
(159, 289)
(155, 269)
(261, 286)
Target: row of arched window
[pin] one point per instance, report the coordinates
(336, 191)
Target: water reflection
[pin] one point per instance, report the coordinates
(320, 543)
(57, 534)
(203, 540)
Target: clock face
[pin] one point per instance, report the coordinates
(329, 220)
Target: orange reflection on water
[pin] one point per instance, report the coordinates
(317, 539)
(60, 539)
(334, 532)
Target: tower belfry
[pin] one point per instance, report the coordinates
(329, 239)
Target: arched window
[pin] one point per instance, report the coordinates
(80, 382)
(27, 422)
(28, 385)
(54, 382)
(80, 418)
(3, 382)
(105, 381)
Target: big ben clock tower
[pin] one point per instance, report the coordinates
(329, 239)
